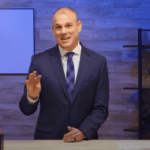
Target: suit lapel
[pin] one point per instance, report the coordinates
(55, 59)
(83, 67)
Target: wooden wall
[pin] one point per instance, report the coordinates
(107, 26)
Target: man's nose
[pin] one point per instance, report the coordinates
(63, 31)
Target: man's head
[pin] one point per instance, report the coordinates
(66, 28)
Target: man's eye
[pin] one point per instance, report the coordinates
(58, 27)
(68, 25)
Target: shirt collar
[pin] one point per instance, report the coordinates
(77, 50)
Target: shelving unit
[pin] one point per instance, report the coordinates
(139, 88)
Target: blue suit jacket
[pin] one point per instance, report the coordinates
(89, 108)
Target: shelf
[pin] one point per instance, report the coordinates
(145, 29)
(143, 46)
(134, 129)
(139, 47)
(134, 88)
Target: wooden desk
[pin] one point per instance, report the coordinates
(60, 145)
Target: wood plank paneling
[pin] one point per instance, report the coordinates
(127, 3)
(46, 34)
(113, 23)
(41, 23)
(44, 44)
(102, 45)
(113, 34)
(17, 3)
(111, 55)
(107, 26)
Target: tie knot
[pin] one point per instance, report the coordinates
(70, 54)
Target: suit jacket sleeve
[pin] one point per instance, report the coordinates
(26, 108)
(99, 113)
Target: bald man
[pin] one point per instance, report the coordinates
(70, 82)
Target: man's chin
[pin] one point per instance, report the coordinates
(65, 46)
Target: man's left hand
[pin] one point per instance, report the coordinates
(74, 132)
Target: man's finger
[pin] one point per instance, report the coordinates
(34, 73)
(71, 128)
(71, 139)
(30, 77)
(39, 78)
(67, 135)
(70, 134)
(27, 82)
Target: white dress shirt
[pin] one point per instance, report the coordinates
(64, 59)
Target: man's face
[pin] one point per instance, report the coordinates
(66, 29)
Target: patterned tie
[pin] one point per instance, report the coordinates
(70, 73)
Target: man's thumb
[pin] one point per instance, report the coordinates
(70, 128)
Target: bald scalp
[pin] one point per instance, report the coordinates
(63, 10)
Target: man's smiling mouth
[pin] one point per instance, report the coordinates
(66, 38)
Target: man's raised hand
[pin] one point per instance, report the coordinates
(33, 85)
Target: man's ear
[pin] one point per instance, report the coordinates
(79, 26)
(53, 29)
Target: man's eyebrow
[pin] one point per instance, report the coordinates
(60, 24)
(57, 24)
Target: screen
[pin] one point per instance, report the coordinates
(16, 40)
